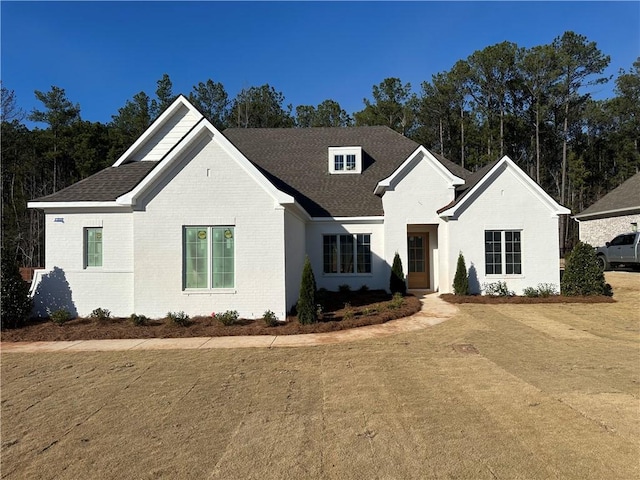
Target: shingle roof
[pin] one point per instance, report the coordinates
(624, 197)
(106, 185)
(296, 161)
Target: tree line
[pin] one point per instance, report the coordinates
(533, 104)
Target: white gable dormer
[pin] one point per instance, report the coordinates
(343, 160)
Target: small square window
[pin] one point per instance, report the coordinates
(338, 162)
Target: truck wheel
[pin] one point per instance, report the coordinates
(602, 263)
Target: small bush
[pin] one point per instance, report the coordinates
(101, 314)
(396, 301)
(461, 280)
(348, 312)
(344, 288)
(306, 306)
(582, 273)
(547, 289)
(364, 288)
(178, 318)
(227, 318)
(397, 282)
(531, 292)
(60, 316)
(270, 318)
(138, 320)
(368, 311)
(498, 289)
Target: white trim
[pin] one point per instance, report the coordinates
(344, 151)
(386, 183)
(373, 219)
(179, 102)
(45, 205)
(503, 163)
(581, 217)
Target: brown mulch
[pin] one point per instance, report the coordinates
(517, 300)
(366, 308)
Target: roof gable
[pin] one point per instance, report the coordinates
(479, 181)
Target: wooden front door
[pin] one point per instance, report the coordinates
(418, 253)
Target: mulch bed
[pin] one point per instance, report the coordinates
(365, 308)
(516, 300)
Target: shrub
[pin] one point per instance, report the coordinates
(461, 280)
(178, 318)
(531, 292)
(60, 316)
(101, 314)
(498, 289)
(368, 311)
(227, 318)
(547, 289)
(397, 282)
(364, 288)
(306, 306)
(344, 288)
(396, 301)
(16, 303)
(582, 274)
(348, 312)
(138, 320)
(270, 318)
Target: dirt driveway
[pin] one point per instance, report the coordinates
(522, 391)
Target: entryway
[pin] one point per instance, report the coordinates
(418, 256)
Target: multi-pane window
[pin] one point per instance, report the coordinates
(346, 253)
(93, 247)
(351, 162)
(338, 162)
(503, 252)
(209, 257)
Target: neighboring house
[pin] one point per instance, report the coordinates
(193, 219)
(615, 213)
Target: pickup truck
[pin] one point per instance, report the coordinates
(622, 250)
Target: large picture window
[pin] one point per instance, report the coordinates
(503, 252)
(347, 254)
(209, 257)
(93, 247)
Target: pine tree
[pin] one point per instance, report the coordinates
(397, 281)
(307, 300)
(461, 280)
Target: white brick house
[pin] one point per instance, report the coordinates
(193, 219)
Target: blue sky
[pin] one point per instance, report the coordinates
(102, 53)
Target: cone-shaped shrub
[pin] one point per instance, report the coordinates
(397, 283)
(306, 306)
(582, 274)
(461, 280)
(16, 303)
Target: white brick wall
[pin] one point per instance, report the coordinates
(109, 286)
(507, 204)
(209, 188)
(597, 232)
(295, 245)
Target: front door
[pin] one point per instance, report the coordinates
(418, 253)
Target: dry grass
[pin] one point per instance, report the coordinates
(500, 391)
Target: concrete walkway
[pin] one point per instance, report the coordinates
(433, 311)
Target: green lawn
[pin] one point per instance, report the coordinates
(518, 391)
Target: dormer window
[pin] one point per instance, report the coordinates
(345, 160)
